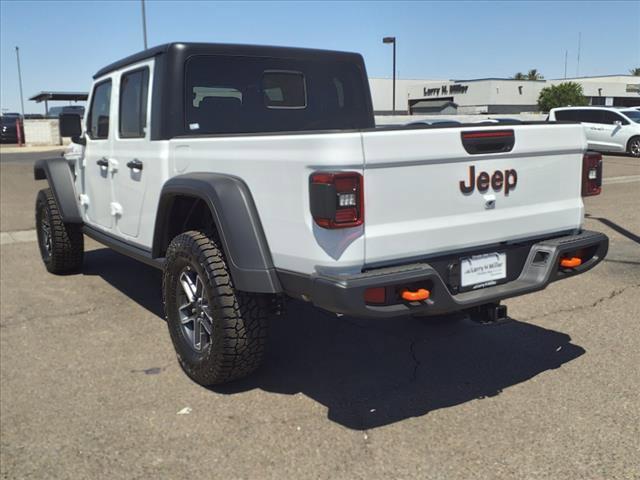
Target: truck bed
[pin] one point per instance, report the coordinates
(413, 203)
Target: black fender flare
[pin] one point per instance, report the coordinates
(237, 222)
(57, 172)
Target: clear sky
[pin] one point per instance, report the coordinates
(63, 43)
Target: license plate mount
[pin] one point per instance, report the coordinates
(483, 270)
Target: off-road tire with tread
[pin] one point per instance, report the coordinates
(63, 251)
(239, 319)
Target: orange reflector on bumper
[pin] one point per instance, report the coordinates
(572, 262)
(417, 296)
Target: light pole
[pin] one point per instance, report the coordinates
(20, 80)
(144, 24)
(393, 40)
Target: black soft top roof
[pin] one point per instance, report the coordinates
(187, 49)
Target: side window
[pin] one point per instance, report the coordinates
(98, 124)
(591, 116)
(133, 103)
(284, 89)
(611, 117)
(564, 115)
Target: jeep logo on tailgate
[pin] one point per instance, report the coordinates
(499, 180)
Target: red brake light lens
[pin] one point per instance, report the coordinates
(336, 199)
(591, 174)
(375, 296)
(488, 134)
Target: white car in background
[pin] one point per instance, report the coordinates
(606, 129)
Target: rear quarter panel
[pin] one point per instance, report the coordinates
(276, 168)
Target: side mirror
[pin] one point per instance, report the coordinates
(618, 123)
(70, 126)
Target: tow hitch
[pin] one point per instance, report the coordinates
(489, 313)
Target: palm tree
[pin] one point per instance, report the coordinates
(534, 75)
(519, 76)
(635, 71)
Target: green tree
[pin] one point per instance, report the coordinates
(534, 75)
(635, 71)
(519, 76)
(561, 95)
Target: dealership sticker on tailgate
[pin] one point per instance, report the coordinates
(483, 270)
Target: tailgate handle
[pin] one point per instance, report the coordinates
(488, 141)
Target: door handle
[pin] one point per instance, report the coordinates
(103, 162)
(135, 164)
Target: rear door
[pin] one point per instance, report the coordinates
(609, 134)
(425, 194)
(134, 157)
(96, 174)
(596, 130)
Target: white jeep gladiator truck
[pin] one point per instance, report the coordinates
(249, 174)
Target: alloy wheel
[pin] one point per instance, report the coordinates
(194, 310)
(45, 233)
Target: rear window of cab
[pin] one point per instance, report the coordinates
(235, 94)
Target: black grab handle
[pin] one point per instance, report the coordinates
(135, 164)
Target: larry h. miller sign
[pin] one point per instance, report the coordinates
(445, 90)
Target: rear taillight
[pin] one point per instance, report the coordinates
(336, 199)
(488, 134)
(591, 174)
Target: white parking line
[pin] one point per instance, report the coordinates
(18, 236)
(625, 179)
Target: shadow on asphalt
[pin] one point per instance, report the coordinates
(136, 280)
(618, 228)
(370, 373)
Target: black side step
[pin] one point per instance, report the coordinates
(124, 248)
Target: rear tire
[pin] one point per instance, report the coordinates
(633, 147)
(61, 244)
(219, 334)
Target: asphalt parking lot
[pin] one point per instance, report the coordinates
(90, 387)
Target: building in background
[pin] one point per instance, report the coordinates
(478, 96)
(381, 95)
(609, 90)
(494, 95)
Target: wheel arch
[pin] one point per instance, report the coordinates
(235, 219)
(57, 172)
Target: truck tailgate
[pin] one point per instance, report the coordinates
(419, 198)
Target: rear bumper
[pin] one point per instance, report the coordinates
(345, 294)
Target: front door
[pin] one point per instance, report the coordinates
(96, 170)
